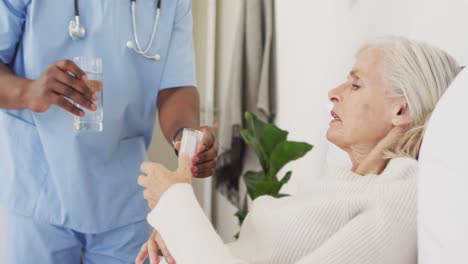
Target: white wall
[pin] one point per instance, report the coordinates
(444, 24)
(312, 57)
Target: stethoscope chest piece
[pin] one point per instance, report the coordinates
(75, 29)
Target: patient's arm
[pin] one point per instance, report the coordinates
(186, 230)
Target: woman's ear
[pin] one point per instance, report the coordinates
(401, 115)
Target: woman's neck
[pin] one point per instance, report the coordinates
(366, 160)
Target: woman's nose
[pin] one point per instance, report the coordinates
(334, 94)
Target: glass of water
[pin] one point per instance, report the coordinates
(92, 120)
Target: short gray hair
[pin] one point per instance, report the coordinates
(421, 73)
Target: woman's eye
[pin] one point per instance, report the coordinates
(355, 87)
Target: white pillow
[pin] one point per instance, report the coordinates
(443, 180)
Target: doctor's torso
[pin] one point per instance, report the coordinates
(65, 172)
(128, 77)
(131, 82)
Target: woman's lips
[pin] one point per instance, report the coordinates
(335, 116)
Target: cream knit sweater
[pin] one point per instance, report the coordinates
(346, 218)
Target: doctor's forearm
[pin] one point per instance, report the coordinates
(178, 107)
(12, 89)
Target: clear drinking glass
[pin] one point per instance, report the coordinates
(91, 121)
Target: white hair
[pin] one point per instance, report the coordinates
(419, 72)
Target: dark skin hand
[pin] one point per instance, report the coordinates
(53, 87)
(180, 107)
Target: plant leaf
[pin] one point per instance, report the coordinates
(285, 152)
(267, 187)
(286, 177)
(251, 136)
(247, 137)
(254, 124)
(251, 178)
(257, 148)
(270, 137)
(281, 195)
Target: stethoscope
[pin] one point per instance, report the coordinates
(77, 31)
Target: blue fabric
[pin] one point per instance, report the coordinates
(30, 241)
(88, 181)
(12, 16)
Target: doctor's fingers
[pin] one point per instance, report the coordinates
(203, 174)
(204, 169)
(207, 155)
(69, 92)
(70, 66)
(208, 139)
(76, 84)
(63, 103)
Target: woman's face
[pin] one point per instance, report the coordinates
(362, 110)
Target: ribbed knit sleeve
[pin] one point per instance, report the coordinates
(186, 230)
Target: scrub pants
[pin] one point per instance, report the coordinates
(26, 240)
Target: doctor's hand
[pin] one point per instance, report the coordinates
(55, 85)
(150, 248)
(204, 160)
(157, 179)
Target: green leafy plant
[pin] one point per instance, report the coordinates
(274, 151)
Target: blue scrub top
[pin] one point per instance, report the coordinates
(88, 181)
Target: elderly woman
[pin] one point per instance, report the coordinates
(365, 215)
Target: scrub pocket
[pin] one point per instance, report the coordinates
(23, 166)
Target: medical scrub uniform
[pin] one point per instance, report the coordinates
(65, 192)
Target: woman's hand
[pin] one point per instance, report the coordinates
(150, 248)
(157, 179)
(375, 162)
